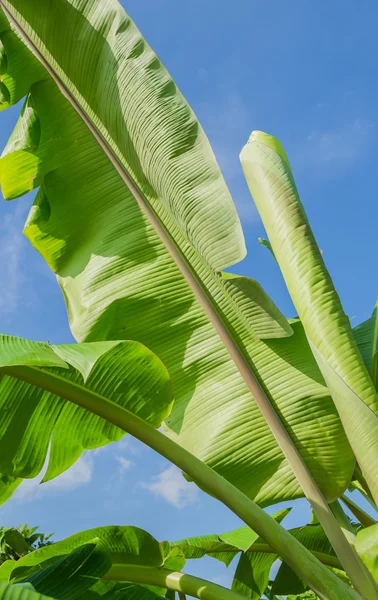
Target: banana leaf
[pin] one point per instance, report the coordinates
(135, 219)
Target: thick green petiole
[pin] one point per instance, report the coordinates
(321, 580)
(179, 582)
(365, 519)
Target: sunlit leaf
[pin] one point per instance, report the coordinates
(72, 574)
(328, 329)
(129, 545)
(32, 420)
(367, 548)
(117, 276)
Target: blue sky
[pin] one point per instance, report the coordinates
(303, 71)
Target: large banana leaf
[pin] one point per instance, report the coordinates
(32, 419)
(118, 278)
(122, 545)
(328, 329)
(252, 572)
(73, 574)
(72, 568)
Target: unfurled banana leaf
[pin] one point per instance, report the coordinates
(122, 545)
(119, 555)
(73, 568)
(32, 419)
(73, 574)
(210, 545)
(328, 329)
(223, 547)
(119, 270)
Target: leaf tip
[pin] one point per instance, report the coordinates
(270, 141)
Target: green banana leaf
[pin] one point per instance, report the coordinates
(49, 567)
(5, 570)
(8, 486)
(256, 558)
(252, 572)
(33, 420)
(367, 548)
(117, 276)
(73, 574)
(174, 558)
(122, 545)
(328, 329)
(366, 337)
(11, 539)
(314, 539)
(19, 592)
(115, 590)
(223, 547)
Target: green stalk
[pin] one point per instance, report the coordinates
(349, 533)
(355, 485)
(287, 445)
(364, 486)
(173, 580)
(325, 559)
(344, 522)
(365, 519)
(322, 581)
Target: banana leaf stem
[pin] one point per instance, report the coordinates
(344, 522)
(363, 486)
(173, 580)
(321, 580)
(365, 519)
(326, 559)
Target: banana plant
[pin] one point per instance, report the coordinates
(132, 553)
(135, 219)
(83, 396)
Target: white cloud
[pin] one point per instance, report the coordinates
(337, 148)
(171, 485)
(13, 243)
(79, 474)
(124, 465)
(130, 444)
